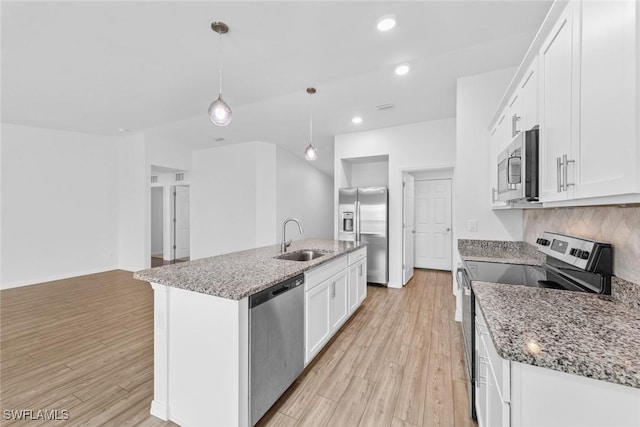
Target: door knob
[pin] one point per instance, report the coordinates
(448, 229)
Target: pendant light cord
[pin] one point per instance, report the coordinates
(220, 64)
(311, 119)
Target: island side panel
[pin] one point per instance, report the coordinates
(159, 405)
(207, 359)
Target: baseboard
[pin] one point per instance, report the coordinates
(159, 410)
(55, 277)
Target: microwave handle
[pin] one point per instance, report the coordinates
(509, 161)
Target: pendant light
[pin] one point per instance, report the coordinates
(219, 111)
(311, 152)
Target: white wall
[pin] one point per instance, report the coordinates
(241, 193)
(423, 145)
(477, 98)
(59, 205)
(305, 193)
(369, 174)
(134, 204)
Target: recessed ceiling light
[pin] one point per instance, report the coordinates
(386, 23)
(356, 120)
(123, 130)
(402, 69)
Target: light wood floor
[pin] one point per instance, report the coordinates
(85, 345)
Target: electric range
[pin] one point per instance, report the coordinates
(572, 264)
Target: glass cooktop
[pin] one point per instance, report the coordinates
(512, 274)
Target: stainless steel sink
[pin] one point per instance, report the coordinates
(303, 255)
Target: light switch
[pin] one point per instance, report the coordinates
(473, 225)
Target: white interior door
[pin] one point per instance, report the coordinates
(181, 222)
(433, 224)
(407, 227)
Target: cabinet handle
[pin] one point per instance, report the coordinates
(360, 270)
(565, 174)
(333, 290)
(494, 195)
(559, 174)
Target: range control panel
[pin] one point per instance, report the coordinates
(582, 253)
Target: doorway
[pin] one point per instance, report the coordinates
(427, 218)
(433, 224)
(157, 225)
(181, 223)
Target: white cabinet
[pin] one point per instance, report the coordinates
(317, 319)
(521, 395)
(607, 155)
(332, 292)
(557, 112)
(338, 300)
(357, 284)
(529, 97)
(498, 142)
(493, 380)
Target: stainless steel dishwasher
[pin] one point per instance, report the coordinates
(276, 343)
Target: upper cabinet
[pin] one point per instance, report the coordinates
(556, 110)
(607, 158)
(579, 82)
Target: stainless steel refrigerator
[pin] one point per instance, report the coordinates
(363, 215)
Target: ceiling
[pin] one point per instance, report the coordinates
(98, 66)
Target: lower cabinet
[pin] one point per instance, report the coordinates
(333, 292)
(317, 319)
(357, 284)
(493, 383)
(338, 300)
(520, 395)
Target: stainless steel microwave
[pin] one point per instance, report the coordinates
(518, 168)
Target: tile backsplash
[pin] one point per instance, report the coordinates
(617, 225)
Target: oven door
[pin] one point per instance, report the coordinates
(468, 333)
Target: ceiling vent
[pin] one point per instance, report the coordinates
(384, 106)
(154, 179)
(219, 139)
(179, 177)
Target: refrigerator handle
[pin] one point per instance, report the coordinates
(357, 220)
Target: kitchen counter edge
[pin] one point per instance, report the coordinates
(237, 275)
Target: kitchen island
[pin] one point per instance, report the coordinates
(201, 323)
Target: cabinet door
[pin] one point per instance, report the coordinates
(494, 150)
(354, 300)
(357, 284)
(607, 161)
(514, 117)
(556, 112)
(362, 280)
(497, 410)
(338, 303)
(529, 95)
(481, 381)
(317, 319)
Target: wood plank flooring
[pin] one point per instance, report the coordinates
(85, 345)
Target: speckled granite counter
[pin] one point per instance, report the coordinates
(240, 274)
(500, 251)
(578, 333)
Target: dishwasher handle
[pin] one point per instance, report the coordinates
(275, 290)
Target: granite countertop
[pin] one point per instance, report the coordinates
(583, 334)
(240, 274)
(505, 252)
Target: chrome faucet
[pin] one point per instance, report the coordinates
(285, 244)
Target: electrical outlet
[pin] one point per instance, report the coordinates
(473, 225)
